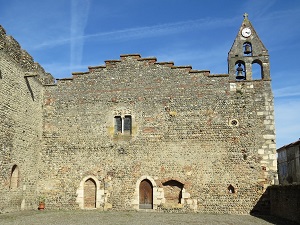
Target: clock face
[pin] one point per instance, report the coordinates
(246, 32)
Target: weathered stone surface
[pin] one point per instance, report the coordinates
(203, 141)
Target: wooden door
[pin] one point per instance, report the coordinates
(146, 195)
(90, 194)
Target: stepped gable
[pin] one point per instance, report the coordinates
(12, 48)
(110, 64)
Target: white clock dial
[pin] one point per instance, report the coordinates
(246, 32)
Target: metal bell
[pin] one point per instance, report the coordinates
(240, 72)
(247, 49)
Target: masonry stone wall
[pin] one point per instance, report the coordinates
(183, 129)
(203, 142)
(21, 96)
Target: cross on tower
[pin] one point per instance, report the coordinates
(246, 15)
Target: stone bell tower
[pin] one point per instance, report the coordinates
(246, 51)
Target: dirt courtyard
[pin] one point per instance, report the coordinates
(94, 217)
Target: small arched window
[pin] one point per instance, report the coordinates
(14, 178)
(257, 70)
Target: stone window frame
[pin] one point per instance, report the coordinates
(233, 123)
(123, 127)
(121, 113)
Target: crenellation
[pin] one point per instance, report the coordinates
(111, 63)
(149, 60)
(96, 69)
(186, 68)
(168, 64)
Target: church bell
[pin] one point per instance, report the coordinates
(247, 49)
(240, 72)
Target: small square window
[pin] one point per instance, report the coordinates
(123, 124)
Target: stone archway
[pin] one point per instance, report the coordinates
(173, 192)
(156, 194)
(89, 194)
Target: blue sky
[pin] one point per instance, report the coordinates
(67, 36)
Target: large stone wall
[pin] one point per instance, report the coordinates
(21, 95)
(198, 141)
(189, 126)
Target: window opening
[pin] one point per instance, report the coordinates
(123, 124)
(118, 124)
(240, 71)
(231, 189)
(256, 71)
(127, 124)
(14, 179)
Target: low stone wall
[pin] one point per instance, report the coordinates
(285, 201)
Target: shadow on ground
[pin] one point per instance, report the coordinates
(269, 208)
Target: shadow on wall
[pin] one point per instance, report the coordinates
(278, 206)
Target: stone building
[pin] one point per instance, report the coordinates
(137, 134)
(289, 163)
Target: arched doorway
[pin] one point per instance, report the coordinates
(90, 194)
(173, 192)
(146, 195)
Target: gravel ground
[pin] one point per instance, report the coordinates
(130, 218)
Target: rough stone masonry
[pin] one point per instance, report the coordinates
(137, 134)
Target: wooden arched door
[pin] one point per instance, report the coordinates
(89, 194)
(146, 195)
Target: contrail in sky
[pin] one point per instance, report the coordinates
(79, 17)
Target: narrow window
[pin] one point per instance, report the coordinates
(127, 124)
(123, 124)
(14, 179)
(118, 124)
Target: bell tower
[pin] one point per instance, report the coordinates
(246, 51)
